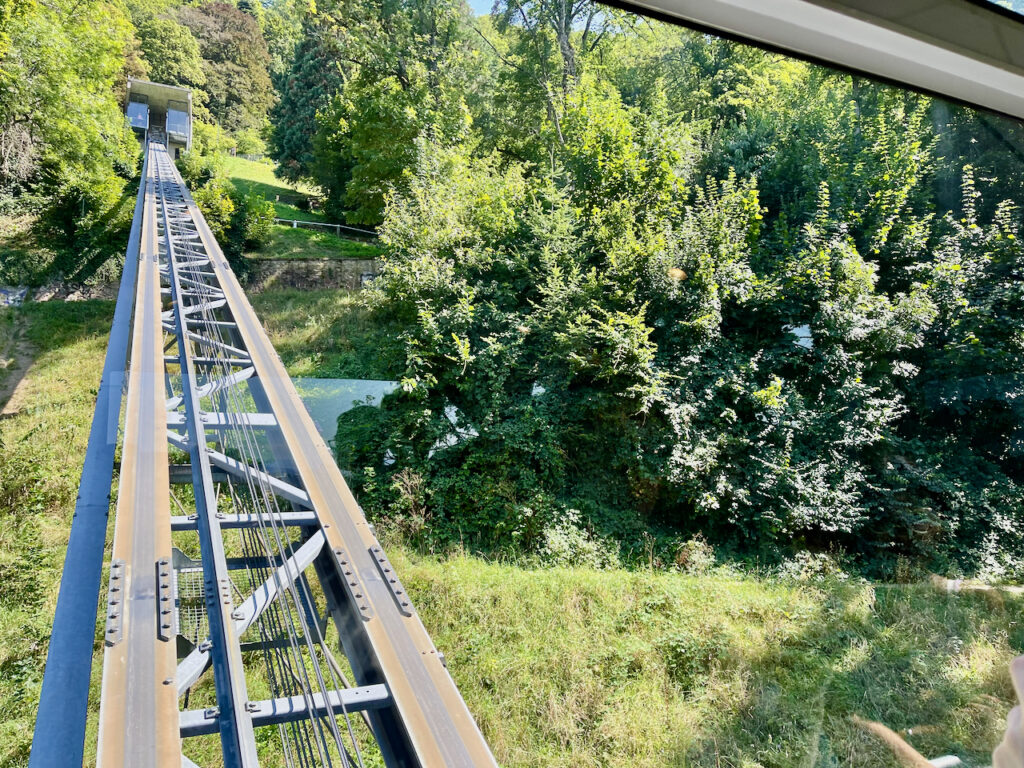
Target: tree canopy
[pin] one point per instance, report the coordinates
(639, 282)
(649, 283)
(236, 61)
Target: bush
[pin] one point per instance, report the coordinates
(253, 221)
(197, 169)
(210, 139)
(249, 142)
(250, 225)
(695, 556)
(567, 543)
(214, 200)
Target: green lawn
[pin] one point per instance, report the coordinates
(566, 666)
(298, 243)
(287, 242)
(253, 176)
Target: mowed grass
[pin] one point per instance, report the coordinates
(288, 242)
(561, 667)
(253, 176)
(298, 243)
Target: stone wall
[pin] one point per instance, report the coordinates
(310, 273)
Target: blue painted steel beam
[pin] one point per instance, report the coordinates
(59, 738)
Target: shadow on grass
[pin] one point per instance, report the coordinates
(36, 251)
(48, 326)
(299, 243)
(934, 664)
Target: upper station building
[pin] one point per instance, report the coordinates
(156, 111)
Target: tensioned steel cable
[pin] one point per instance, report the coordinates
(215, 350)
(178, 218)
(276, 617)
(253, 450)
(204, 296)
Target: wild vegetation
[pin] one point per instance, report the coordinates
(694, 664)
(691, 339)
(644, 282)
(700, 665)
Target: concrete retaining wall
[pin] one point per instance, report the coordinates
(310, 273)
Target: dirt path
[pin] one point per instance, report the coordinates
(16, 355)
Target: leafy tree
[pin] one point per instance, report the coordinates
(9, 11)
(235, 62)
(313, 79)
(172, 54)
(544, 47)
(283, 30)
(406, 80)
(62, 134)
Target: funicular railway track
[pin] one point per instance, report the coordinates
(247, 590)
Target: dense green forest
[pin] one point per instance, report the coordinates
(639, 284)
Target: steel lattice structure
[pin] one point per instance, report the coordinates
(241, 561)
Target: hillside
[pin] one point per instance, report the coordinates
(706, 361)
(562, 666)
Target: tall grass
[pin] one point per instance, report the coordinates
(42, 446)
(577, 667)
(561, 666)
(326, 334)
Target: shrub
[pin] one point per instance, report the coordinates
(214, 200)
(249, 142)
(197, 169)
(695, 556)
(210, 139)
(253, 221)
(567, 543)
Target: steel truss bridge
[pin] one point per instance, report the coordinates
(250, 612)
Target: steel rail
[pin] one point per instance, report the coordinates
(288, 511)
(238, 740)
(429, 719)
(139, 659)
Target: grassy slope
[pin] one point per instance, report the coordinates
(321, 333)
(563, 667)
(287, 242)
(298, 243)
(9, 339)
(250, 176)
(42, 446)
(577, 667)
